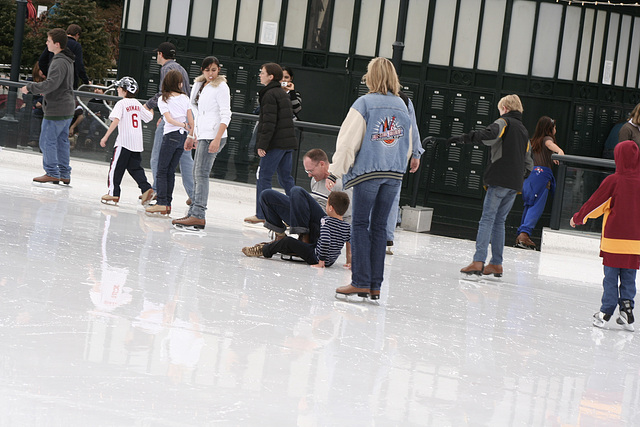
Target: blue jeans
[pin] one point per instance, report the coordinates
(275, 160)
(372, 200)
(201, 170)
(300, 210)
(497, 204)
(186, 162)
(612, 295)
(54, 144)
(393, 217)
(170, 153)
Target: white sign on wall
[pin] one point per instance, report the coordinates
(607, 73)
(269, 33)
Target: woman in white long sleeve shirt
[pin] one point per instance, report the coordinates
(211, 106)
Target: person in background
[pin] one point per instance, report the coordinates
(289, 88)
(540, 182)
(276, 139)
(509, 164)
(373, 149)
(211, 107)
(79, 73)
(631, 129)
(35, 122)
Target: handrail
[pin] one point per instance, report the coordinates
(581, 160)
(237, 115)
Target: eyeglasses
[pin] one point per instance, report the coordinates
(312, 169)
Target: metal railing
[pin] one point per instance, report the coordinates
(565, 161)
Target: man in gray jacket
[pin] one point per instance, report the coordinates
(58, 105)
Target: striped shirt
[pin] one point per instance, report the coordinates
(333, 234)
(130, 114)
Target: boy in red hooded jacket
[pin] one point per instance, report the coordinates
(618, 199)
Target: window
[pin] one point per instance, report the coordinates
(491, 35)
(134, 20)
(200, 18)
(157, 21)
(520, 37)
(415, 35)
(389, 28)
(341, 27)
(547, 38)
(247, 21)
(225, 19)
(294, 30)
(179, 17)
(368, 27)
(318, 30)
(466, 38)
(442, 33)
(569, 43)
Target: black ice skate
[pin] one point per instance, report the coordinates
(626, 315)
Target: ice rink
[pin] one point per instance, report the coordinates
(111, 318)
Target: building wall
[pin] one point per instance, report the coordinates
(577, 64)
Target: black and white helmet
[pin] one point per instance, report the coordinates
(129, 84)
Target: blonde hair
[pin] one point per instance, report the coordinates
(511, 103)
(635, 115)
(381, 77)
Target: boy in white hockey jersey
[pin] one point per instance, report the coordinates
(127, 115)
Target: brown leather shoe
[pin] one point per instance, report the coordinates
(253, 220)
(190, 222)
(350, 290)
(374, 294)
(65, 180)
(494, 269)
(46, 178)
(474, 268)
(524, 241)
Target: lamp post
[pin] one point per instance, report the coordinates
(9, 120)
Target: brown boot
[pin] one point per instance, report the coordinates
(190, 223)
(524, 241)
(494, 269)
(350, 290)
(474, 268)
(46, 178)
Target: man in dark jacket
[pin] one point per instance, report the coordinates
(276, 139)
(509, 163)
(58, 106)
(73, 34)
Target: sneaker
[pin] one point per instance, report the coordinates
(253, 251)
(190, 222)
(254, 220)
(600, 318)
(626, 315)
(146, 197)
(108, 199)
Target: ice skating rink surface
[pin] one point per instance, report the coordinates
(111, 318)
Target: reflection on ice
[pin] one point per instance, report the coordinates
(110, 317)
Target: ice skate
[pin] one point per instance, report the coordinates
(600, 319)
(473, 270)
(492, 269)
(254, 221)
(189, 223)
(158, 210)
(344, 292)
(65, 181)
(146, 197)
(523, 241)
(46, 179)
(108, 199)
(626, 316)
(291, 257)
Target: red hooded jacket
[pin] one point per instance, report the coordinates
(618, 199)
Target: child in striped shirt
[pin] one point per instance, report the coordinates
(334, 234)
(127, 115)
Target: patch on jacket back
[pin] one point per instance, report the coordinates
(388, 131)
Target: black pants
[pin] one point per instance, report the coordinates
(125, 160)
(290, 245)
